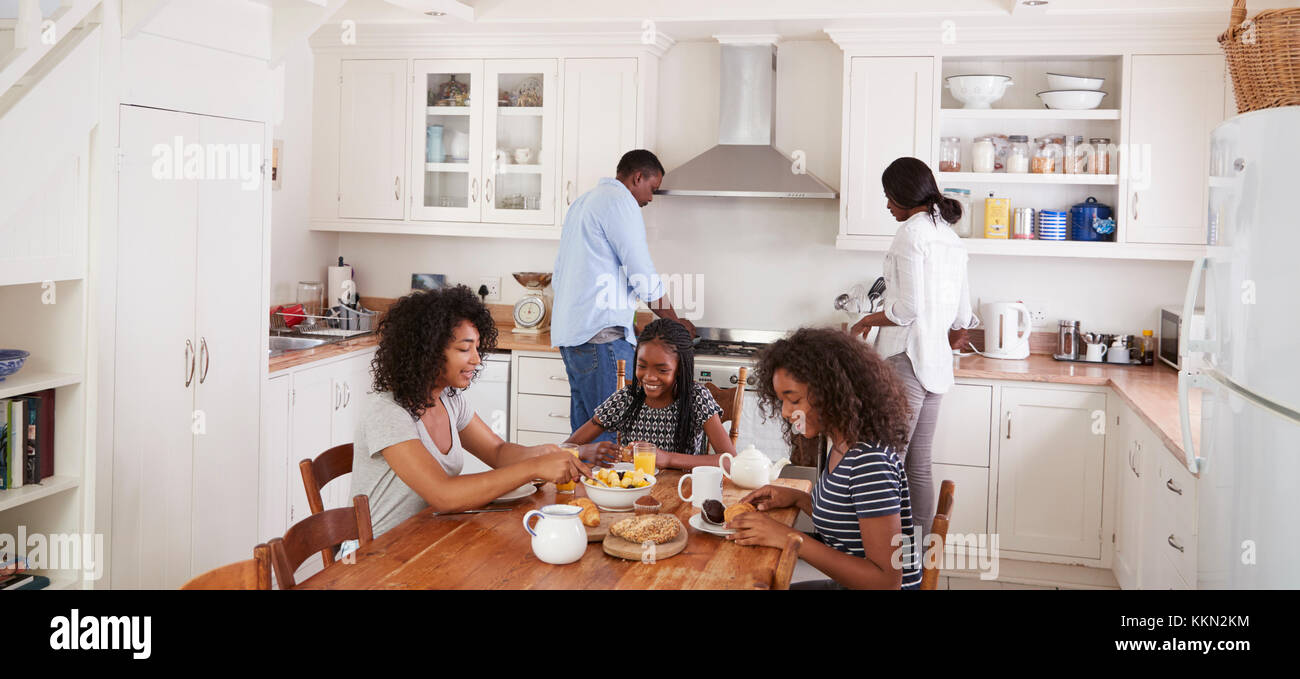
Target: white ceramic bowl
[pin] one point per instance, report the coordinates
(1071, 100)
(1060, 81)
(616, 499)
(978, 91)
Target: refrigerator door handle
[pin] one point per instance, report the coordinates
(1186, 380)
(1200, 266)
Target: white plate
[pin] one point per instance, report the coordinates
(698, 523)
(520, 492)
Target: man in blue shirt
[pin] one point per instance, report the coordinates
(602, 272)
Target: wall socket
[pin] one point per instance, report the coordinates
(1037, 314)
(493, 286)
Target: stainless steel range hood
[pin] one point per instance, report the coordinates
(744, 163)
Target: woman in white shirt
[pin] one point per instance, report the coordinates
(927, 311)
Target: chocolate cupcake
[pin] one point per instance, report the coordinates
(647, 505)
(713, 511)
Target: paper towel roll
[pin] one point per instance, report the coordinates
(337, 275)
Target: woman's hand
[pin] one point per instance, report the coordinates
(756, 529)
(559, 467)
(772, 497)
(958, 339)
(600, 452)
(862, 327)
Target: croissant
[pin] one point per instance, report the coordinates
(736, 510)
(590, 516)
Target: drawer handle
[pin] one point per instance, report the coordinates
(558, 378)
(557, 414)
(1170, 485)
(1174, 544)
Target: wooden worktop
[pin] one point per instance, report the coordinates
(1151, 391)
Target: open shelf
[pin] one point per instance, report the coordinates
(1027, 114)
(20, 496)
(447, 110)
(27, 381)
(1027, 178)
(1044, 248)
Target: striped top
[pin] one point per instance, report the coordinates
(868, 482)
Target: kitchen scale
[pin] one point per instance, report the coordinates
(533, 310)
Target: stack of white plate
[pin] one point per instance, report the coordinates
(1051, 224)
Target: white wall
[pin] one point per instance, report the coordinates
(771, 263)
(297, 253)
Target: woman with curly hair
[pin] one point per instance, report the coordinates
(927, 310)
(417, 425)
(823, 381)
(663, 405)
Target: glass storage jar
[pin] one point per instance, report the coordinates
(1018, 155)
(950, 154)
(1047, 155)
(1075, 157)
(1099, 155)
(983, 155)
(962, 226)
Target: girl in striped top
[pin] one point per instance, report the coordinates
(826, 382)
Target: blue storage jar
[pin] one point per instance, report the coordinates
(1092, 221)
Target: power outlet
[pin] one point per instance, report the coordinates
(1037, 314)
(493, 286)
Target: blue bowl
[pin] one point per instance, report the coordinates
(11, 361)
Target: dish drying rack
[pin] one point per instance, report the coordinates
(350, 324)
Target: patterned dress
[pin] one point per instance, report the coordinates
(658, 425)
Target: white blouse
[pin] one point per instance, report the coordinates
(926, 294)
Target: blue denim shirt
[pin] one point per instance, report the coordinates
(603, 268)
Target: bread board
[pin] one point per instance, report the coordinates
(626, 549)
(607, 519)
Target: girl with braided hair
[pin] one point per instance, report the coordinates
(662, 405)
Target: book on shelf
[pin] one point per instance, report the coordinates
(4, 445)
(26, 439)
(13, 442)
(24, 581)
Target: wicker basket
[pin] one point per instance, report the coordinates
(1263, 57)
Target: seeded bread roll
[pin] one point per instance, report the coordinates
(736, 510)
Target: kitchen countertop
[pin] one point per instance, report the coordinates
(1151, 391)
(506, 341)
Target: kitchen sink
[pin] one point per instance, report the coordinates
(279, 345)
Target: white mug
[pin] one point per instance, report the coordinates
(1096, 352)
(1118, 355)
(706, 484)
(523, 156)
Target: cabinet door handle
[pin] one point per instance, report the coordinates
(473, 191)
(189, 362)
(347, 394)
(1137, 461)
(397, 188)
(557, 415)
(338, 396)
(1130, 460)
(487, 191)
(1170, 485)
(1008, 425)
(1173, 543)
(206, 356)
(568, 192)
(558, 378)
(1134, 204)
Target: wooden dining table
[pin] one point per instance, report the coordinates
(491, 550)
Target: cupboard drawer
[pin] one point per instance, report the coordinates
(1179, 488)
(544, 413)
(538, 438)
(543, 376)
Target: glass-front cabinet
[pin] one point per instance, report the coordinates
(485, 141)
(448, 169)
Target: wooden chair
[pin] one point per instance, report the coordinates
(327, 466)
(731, 401)
(255, 573)
(785, 567)
(316, 533)
(932, 558)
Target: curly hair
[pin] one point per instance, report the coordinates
(676, 337)
(414, 336)
(854, 391)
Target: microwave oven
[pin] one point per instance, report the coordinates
(1171, 329)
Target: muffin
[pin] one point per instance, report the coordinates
(713, 512)
(647, 505)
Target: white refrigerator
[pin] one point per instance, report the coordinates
(1249, 455)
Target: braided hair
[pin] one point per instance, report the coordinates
(675, 336)
(910, 183)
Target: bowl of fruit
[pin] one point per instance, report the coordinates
(616, 490)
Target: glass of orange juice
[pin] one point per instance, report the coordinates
(643, 456)
(567, 487)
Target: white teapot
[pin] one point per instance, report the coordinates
(558, 537)
(751, 468)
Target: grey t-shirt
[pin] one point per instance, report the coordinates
(384, 423)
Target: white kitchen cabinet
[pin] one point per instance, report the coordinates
(447, 165)
(1051, 457)
(600, 100)
(1176, 101)
(1123, 436)
(970, 502)
(519, 144)
(963, 434)
(372, 138)
(539, 398)
(273, 483)
(185, 442)
(1168, 521)
(890, 115)
(326, 404)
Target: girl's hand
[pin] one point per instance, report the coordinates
(772, 497)
(756, 529)
(663, 459)
(600, 452)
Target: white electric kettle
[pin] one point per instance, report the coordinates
(1007, 327)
